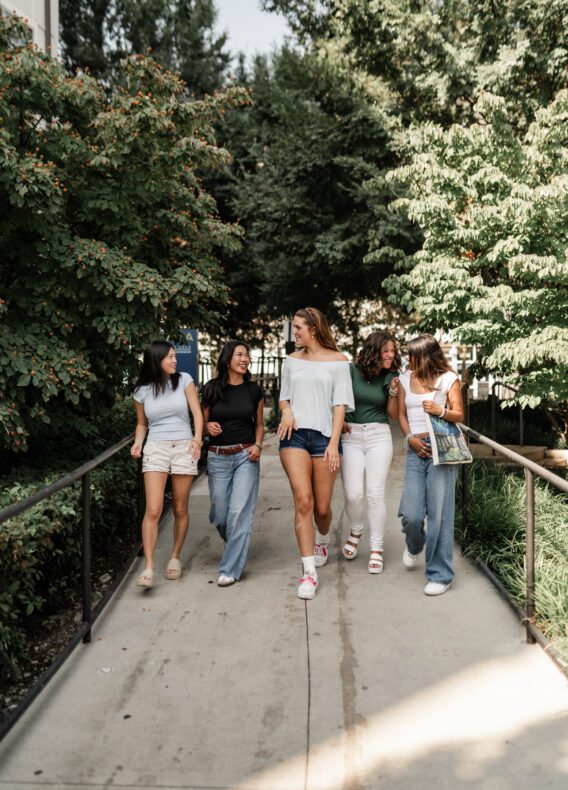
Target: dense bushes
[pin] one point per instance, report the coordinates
(496, 535)
(40, 550)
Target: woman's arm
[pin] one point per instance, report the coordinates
(453, 412)
(256, 449)
(287, 420)
(392, 403)
(141, 430)
(332, 450)
(195, 408)
(211, 428)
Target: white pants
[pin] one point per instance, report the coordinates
(367, 455)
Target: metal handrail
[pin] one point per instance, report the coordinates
(90, 614)
(532, 469)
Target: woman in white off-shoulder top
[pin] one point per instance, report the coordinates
(316, 392)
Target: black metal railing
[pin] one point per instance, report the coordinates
(532, 470)
(89, 613)
(494, 400)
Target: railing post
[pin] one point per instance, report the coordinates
(521, 426)
(465, 473)
(86, 550)
(530, 551)
(493, 416)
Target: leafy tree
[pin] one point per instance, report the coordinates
(303, 155)
(97, 34)
(493, 209)
(108, 236)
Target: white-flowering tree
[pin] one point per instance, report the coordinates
(493, 210)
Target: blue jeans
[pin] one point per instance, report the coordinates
(430, 491)
(233, 491)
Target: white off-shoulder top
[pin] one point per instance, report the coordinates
(313, 389)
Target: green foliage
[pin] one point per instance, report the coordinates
(108, 236)
(302, 157)
(97, 34)
(496, 535)
(493, 210)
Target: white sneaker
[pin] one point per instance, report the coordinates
(409, 560)
(307, 588)
(320, 555)
(436, 588)
(225, 581)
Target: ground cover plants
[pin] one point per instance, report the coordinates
(496, 535)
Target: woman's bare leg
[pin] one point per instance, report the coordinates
(298, 467)
(181, 486)
(154, 487)
(322, 485)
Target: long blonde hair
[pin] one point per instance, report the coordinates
(316, 320)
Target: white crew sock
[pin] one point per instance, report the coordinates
(309, 566)
(323, 540)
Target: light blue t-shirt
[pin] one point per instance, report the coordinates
(167, 414)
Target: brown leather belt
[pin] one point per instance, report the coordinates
(236, 448)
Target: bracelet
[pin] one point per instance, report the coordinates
(257, 445)
(408, 436)
(199, 441)
(393, 394)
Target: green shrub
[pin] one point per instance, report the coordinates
(496, 535)
(40, 549)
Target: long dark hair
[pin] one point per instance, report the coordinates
(213, 391)
(426, 359)
(152, 372)
(369, 360)
(317, 321)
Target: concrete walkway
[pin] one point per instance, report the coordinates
(372, 685)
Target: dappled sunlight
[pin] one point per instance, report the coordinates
(474, 714)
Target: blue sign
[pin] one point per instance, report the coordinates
(188, 355)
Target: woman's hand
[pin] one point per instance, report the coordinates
(331, 455)
(287, 424)
(420, 448)
(393, 388)
(433, 408)
(213, 428)
(346, 427)
(195, 449)
(254, 452)
(136, 450)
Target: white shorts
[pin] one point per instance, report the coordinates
(172, 457)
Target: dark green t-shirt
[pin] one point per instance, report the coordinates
(370, 396)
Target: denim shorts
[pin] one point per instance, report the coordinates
(313, 442)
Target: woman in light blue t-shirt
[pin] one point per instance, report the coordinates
(161, 398)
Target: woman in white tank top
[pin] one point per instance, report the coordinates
(428, 386)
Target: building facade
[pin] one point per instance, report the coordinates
(43, 18)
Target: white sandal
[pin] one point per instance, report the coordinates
(376, 562)
(146, 578)
(351, 547)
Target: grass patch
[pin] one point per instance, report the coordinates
(496, 535)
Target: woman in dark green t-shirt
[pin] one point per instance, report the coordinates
(367, 444)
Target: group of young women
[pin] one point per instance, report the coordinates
(334, 416)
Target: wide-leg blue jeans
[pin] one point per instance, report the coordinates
(430, 492)
(233, 491)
